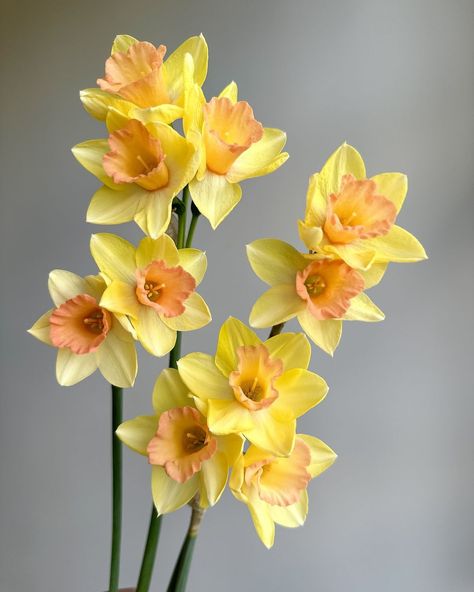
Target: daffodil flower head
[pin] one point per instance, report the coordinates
(275, 488)
(87, 335)
(142, 169)
(140, 83)
(233, 146)
(321, 292)
(186, 458)
(254, 388)
(351, 217)
(152, 287)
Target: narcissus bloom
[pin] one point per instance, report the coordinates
(275, 489)
(142, 169)
(353, 218)
(321, 292)
(154, 286)
(254, 388)
(141, 84)
(186, 458)
(88, 335)
(233, 146)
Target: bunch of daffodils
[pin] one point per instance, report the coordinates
(228, 418)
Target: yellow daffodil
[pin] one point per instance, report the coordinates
(233, 146)
(353, 218)
(319, 291)
(141, 84)
(87, 334)
(154, 286)
(275, 488)
(186, 458)
(142, 169)
(254, 388)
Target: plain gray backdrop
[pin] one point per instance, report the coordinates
(395, 80)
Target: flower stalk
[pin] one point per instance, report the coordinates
(117, 406)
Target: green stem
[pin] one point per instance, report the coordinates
(148, 561)
(276, 330)
(117, 404)
(192, 227)
(182, 219)
(181, 571)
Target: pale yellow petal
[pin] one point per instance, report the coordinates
(153, 334)
(72, 368)
(322, 457)
(233, 334)
(117, 357)
(326, 334)
(170, 391)
(274, 261)
(111, 206)
(97, 103)
(262, 520)
(268, 433)
(214, 475)
(203, 378)
(232, 446)
(360, 255)
(398, 245)
(95, 285)
(293, 349)
(158, 114)
(215, 197)
(158, 249)
(114, 256)
(310, 235)
(228, 417)
(169, 495)
(195, 315)
(194, 262)
(91, 154)
(41, 328)
(277, 305)
(363, 309)
(291, 516)
(263, 157)
(393, 186)
(154, 214)
(63, 285)
(173, 66)
(136, 433)
(121, 298)
(316, 202)
(122, 43)
(374, 274)
(345, 160)
(298, 392)
(231, 92)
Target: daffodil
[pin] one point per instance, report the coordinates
(352, 217)
(142, 169)
(186, 458)
(275, 488)
(153, 287)
(254, 388)
(233, 146)
(141, 84)
(87, 334)
(319, 291)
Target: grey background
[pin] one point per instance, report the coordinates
(395, 80)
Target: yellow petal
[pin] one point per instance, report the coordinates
(162, 248)
(298, 392)
(159, 114)
(232, 335)
(214, 475)
(291, 516)
(231, 446)
(277, 305)
(98, 102)
(169, 495)
(263, 157)
(90, 154)
(393, 186)
(322, 457)
(230, 91)
(310, 235)
(227, 417)
(345, 160)
(120, 298)
(194, 262)
(114, 256)
(326, 334)
(63, 285)
(293, 349)
(72, 368)
(274, 261)
(398, 245)
(153, 334)
(110, 206)
(195, 315)
(316, 202)
(359, 255)
(122, 43)
(215, 197)
(374, 274)
(41, 328)
(262, 520)
(136, 433)
(155, 213)
(173, 66)
(170, 391)
(363, 309)
(117, 357)
(203, 378)
(268, 433)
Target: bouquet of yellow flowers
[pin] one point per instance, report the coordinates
(229, 417)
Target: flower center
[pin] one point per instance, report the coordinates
(95, 322)
(195, 439)
(164, 288)
(315, 284)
